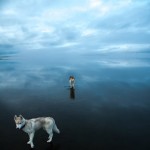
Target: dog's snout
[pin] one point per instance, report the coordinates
(18, 126)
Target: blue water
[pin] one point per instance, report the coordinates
(109, 108)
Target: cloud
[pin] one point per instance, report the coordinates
(123, 63)
(88, 24)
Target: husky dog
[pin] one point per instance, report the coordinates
(31, 125)
(71, 81)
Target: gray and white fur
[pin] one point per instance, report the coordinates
(31, 125)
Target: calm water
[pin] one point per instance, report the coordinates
(109, 108)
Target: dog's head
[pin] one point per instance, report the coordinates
(20, 121)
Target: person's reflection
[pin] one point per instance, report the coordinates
(72, 93)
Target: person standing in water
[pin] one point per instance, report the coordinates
(72, 81)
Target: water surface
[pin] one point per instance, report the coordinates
(109, 108)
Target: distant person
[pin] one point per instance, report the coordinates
(72, 81)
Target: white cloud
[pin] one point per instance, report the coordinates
(113, 63)
(67, 44)
(119, 24)
(88, 32)
(99, 6)
(9, 12)
(124, 48)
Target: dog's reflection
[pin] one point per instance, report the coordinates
(53, 146)
(72, 93)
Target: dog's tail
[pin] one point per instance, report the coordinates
(55, 128)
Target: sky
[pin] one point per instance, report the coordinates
(117, 32)
(105, 26)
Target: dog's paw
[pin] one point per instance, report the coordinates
(28, 142)
(32, 146)
(49, 140)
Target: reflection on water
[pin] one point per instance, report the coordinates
(111, 106)
(4, 57)
(53, 146)
(72, 93)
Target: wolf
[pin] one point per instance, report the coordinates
(31, 125)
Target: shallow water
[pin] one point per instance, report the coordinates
(109, 108)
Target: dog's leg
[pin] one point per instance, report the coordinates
(50, 132)
(29, 139)
(31, 136)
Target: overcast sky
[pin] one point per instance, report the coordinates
(82, 25)
(114, 28)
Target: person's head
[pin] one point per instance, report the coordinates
(71, 77)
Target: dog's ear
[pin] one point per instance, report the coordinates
(21, 116)
(15, 117)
